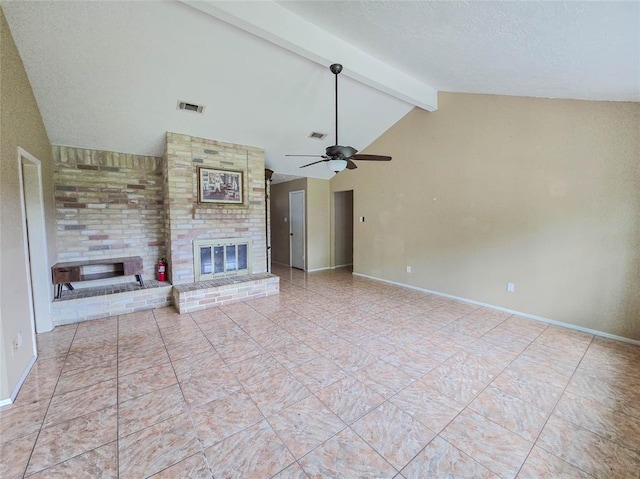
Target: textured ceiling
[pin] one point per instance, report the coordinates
(577, 49)
(107, 75)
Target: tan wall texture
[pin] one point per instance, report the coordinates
(20, 126)
(279, 199)
(490, 189)
(316, 201)
(318, 213)
(342, 230)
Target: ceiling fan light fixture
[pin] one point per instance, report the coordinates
(339, 157)
(337, 165)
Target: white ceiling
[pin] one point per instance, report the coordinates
(552, 49)
(107, 75)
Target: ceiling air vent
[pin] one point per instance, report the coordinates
(184, 105)
(317, 136)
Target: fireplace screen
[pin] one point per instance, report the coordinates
(217, 258)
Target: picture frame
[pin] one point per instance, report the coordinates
(220, 186)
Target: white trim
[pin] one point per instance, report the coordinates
(304, 231)
(45, 323)
(506, 310)
(341, 265)
(319, 269)
(16, 389)
(281, 264)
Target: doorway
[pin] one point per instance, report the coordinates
(296, 230)
(343, 228)
(35, 237)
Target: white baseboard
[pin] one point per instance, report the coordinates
(14, 393)
(506, 310)
(318, 269)
(341, 265)
(280, 264)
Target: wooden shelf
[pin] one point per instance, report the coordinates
(66, 273)
(105, 275)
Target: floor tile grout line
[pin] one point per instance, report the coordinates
(117, 397)
(478, 394)
(352, 320)
(577, 394)
(554, 407)
(375, 449)
(35, 443)
(264, 418)
(188, 410)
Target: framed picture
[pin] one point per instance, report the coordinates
(220, 186)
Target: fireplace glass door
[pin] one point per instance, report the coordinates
(216, 260)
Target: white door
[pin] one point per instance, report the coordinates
(296, 229)
(35, 240)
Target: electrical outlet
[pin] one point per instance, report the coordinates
(408, 269)
(16, 344)
(511, 288)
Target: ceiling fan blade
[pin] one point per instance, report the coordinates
(351, 165)
(315, 162)
(312, 156)
(371, 158)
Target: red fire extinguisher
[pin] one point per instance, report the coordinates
(162, 269)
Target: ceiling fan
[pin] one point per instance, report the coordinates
(340, 157)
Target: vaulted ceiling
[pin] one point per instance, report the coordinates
(108, 75)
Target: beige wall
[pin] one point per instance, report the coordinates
(491, 189)
(316, 199)
(342, 230)
(317, 204)
(279, 199)
(20, 126)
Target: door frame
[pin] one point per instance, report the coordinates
(334, 230)
(304, 232)
(39, 304)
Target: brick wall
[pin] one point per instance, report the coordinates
(108, 205)
(187, 220)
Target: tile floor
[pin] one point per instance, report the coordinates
(337, 377)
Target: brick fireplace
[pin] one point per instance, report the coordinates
(187, 221)
(112, 204)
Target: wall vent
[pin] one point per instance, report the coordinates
(317, 136)
(185, 105)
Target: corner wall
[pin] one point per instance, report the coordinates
(20, 126)
(317, 204)
(342, 228)
(279, 198)
(494, 189)
(316, 201)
